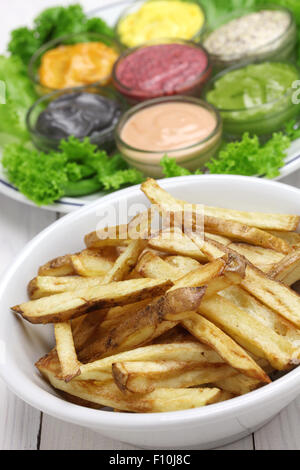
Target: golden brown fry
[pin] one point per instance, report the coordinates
(238, 385)
(152, 266)
(286, 223)
(273, 294)
(126, 261)
(248, 332)
(108, 394)
(61, 266)
(188, 351)
(263, 258)
(183, 263)
(138, 228)
(62, 307)
(292, 238)
(176, 242)
(264, 314)
(92, 263)
(144, 377)
(288, 269)
(43, 286)
(136, 330)
(70, 366)
(277, 296)
(227, 348)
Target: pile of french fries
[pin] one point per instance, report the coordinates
(181, 318)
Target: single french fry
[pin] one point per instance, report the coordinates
(101, 370)
(154, 267)
(144, 377)
(66, 352)
(62, 307)
(288, 269)
(61, 266)
(136, 330)
(233, 354)
(43, 286)
(138, 228)
(280, 222)
(238, 385)
(126, 261)
(92, 263)
(263, 258)
(248, 332)
(290, 237)
(175, 242)
(183, 263)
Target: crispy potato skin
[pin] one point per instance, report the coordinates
(35, 310)
(142, 327)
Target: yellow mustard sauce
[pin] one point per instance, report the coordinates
(161, 19)
(78, 64)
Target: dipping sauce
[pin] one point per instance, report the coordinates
(185, 128)
(75, 65)
(79, 115)
(256, 98)
(258, 33)
(161, 70)
(158, 19)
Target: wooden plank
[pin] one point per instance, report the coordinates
(283, 432)
(58, 435)
(242, 444)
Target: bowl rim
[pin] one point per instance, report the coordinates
(19, 383)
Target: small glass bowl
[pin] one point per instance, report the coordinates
(35, 62)
(192, 87)
(262, 120)
(103, 139)
(285, 44)
(137, 4)
(191, 157)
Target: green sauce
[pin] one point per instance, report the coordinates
(256, 98)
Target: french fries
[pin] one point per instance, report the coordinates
(144, 377)
(209, 334)
(108, 394)
(288, 269)
(43, 286)
(63, 307)
(285, 223)
(145, 325)
(70, 366)
(193, 310)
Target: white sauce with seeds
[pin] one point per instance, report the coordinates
(261, 31)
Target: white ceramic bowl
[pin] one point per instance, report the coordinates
(203, 427)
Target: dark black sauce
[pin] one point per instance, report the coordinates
(78, 114)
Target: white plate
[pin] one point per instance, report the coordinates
(110, 14)
(206, 427)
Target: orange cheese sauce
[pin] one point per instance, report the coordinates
(76, 65)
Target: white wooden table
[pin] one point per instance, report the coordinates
(24, 428)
